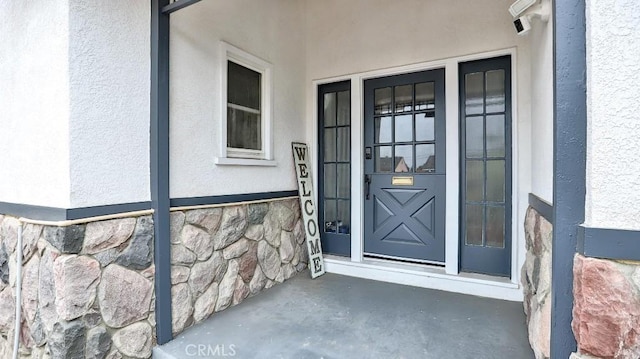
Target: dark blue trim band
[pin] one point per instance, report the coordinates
(232, 198)
(84, 212)
(33, 212)
(608, 243)
(541, 206)
(62, 214)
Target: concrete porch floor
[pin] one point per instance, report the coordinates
(344, 317)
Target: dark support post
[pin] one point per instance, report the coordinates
(569, 164)
(160, 166)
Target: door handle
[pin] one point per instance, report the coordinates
(367, 182)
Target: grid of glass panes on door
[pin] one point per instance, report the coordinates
(337, 162)
(404, 137)
(485, 158)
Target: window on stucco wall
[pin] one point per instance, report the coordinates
(246, 106)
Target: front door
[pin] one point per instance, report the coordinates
(405, 166)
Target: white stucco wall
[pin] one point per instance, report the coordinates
(34, 98)
(109, 72)
(541, 37)
(613, 105)
(360, 35)
(272, 30)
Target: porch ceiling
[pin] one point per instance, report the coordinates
(344, 317)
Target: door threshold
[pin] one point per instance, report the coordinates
(426, 276)
(385, 258)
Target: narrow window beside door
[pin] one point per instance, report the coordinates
(485, 127)
(334, 119)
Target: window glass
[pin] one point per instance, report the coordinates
(344, 108)
(425, 96)
(243, 129)
(382, 101)
(404, 98)
(425, 126)
(243, 86)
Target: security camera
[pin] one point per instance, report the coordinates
(520, 6)
(522, 25)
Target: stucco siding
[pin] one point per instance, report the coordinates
(109, 63)
(34, 98)
(613, 145)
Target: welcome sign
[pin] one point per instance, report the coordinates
(309, 215)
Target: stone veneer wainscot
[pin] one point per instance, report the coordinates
(73, 282)
(606, 308)
(536, 281)
(220, 256)
(88, 289)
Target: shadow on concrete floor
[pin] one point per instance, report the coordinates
(344, 317)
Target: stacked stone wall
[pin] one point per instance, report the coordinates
(87, 289)
(606, 308)
(536, 281)
(220, 256)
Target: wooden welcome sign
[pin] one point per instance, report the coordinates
(308, 208)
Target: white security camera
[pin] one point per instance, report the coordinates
(524, 12)
(520, 6)
(522, 25)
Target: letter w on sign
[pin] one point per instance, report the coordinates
(309, 215)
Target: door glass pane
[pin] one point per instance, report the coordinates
(495, 91)
(383, 129)
(344, 144)
(330, 215)
(343, 181)
(475, 180)
(425, 96)
(329, 144)
(473, 225)
(344, 108)
(495, 181)
(495, 226)
(425, 126)
(344, 216)
(243, 129)
(495, 136)
(383, 160)
(404, 98)
(474, 134)
(403, 159)
(474, 96)
(382, 101)
(425, 158)
(329, 109)
(404, 128)
(330, 180)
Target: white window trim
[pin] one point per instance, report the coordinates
(243, 157)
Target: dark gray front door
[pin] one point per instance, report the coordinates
(405, 166)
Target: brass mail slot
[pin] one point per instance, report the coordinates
(402, 181)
